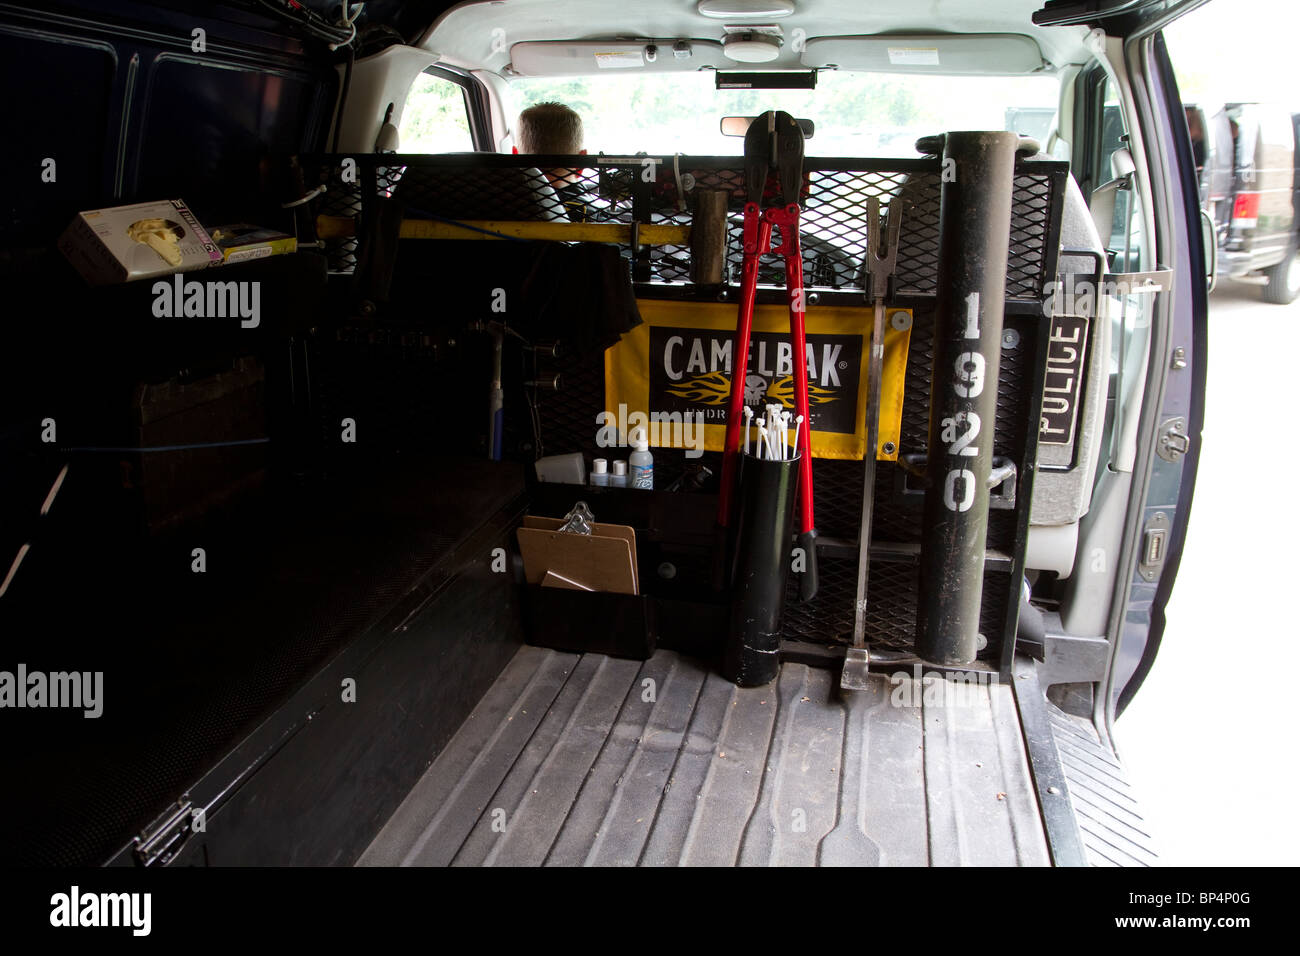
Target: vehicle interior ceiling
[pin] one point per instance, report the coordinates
(310, 541)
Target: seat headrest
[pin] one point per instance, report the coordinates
(508, 193)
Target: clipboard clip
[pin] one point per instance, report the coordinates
(578, 520)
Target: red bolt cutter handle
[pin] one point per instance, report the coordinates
(787, 222)
(757, 240)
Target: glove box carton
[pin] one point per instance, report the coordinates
(125, 243)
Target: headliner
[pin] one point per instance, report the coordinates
(462, 35)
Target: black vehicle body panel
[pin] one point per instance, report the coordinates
(1265, 171)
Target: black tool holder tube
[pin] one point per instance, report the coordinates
(765, 520)
(974, 228)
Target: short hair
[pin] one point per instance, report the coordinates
(550, 128)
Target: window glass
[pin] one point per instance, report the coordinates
(1130, 313)
(435, 119)
(1124, 240)
(855, 113)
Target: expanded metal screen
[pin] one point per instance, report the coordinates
(663, 190)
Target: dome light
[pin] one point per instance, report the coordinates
(730, 9)
(751, 47)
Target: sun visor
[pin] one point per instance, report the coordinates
(585, 57)
(1000, 54)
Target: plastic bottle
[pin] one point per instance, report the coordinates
(599, 472)
(619, 478)
(641, 463)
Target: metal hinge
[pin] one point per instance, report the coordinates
(166, 836)
(1172, 441)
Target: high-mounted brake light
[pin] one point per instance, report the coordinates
(1245, 211)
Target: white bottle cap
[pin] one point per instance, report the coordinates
(599, 466)
(638, 440)
(620, 467)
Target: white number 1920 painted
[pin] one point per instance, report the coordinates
(972, 316)
(965, 479)
(959, 487)
(970, 375)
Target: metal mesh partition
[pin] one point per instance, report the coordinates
(663, 190)
(646, 189)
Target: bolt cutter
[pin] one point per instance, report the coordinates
(774, 142)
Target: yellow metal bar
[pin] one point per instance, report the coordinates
(342, 227)
(335, 227)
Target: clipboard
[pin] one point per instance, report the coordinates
(604, 560)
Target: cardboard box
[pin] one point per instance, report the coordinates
(126, 243)
(241, 242)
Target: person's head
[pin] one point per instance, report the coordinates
(550, 128)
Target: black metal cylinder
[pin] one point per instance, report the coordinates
(974, 227)
(765, 520)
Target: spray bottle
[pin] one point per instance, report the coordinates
(641, 463)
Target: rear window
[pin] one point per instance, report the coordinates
(856, 113)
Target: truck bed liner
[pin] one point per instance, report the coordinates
(584, 759)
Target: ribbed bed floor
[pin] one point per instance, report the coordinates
(584, 759)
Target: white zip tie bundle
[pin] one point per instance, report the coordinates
(773, 438)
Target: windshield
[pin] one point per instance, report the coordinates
(856, 114)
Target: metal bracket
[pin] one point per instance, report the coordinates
(855, 673)
(1155, 542)
(1002, 484)
(1172, 441)
(910, 480)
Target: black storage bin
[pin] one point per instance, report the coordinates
(599, 622)
(676, 608)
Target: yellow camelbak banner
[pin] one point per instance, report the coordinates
(672, 374)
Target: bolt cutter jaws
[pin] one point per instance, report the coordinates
(774, 141)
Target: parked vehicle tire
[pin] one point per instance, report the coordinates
(1284, 279)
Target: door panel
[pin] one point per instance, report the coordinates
(1175, 447)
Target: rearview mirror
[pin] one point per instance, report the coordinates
(739, 125)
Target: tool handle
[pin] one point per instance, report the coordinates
(757, 234)
(808, 579)
(496, 422)
(787, 222)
